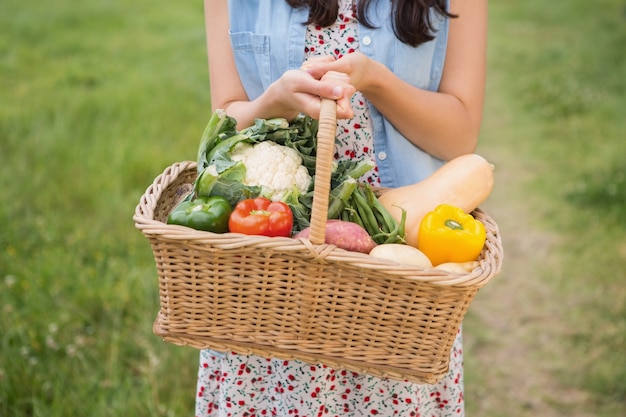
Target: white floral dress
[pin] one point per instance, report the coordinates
(246, 385)
(354, 136)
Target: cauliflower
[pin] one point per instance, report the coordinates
(275, 168)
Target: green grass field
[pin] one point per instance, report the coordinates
(97, 98)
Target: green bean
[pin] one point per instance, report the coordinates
(365, 211)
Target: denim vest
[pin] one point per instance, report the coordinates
(268, 36)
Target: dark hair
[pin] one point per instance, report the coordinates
(411, 19)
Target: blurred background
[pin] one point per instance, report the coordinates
(97, 98)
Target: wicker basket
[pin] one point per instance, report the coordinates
(302, 299)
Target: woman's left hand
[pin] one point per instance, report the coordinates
(355, 65)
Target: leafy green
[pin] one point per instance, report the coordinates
(220, 126)
(228, 184)
(348, 198)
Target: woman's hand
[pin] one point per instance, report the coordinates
(296, 91)
(354, 65)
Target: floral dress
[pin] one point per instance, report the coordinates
(354, 136)
(230, 384)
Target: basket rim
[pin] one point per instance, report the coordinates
(490, 261)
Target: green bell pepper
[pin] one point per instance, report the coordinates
(210, 214)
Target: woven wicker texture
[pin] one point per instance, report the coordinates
(292, 299)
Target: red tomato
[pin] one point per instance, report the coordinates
(261, 216)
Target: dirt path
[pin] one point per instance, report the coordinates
(512, 332)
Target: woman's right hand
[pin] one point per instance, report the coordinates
(296, 91)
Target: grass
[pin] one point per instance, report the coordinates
(557, 98)
(98, 97)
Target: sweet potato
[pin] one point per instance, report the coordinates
(345, 235)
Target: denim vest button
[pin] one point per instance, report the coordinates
(382, 155)
(367, 40)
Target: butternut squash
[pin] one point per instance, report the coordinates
(465, 182)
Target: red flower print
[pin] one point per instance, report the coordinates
(357, 125)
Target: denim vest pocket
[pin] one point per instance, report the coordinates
(252, 57)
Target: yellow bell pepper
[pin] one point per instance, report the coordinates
(448, 234)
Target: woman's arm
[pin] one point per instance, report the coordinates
(444, 123)
(295, 92)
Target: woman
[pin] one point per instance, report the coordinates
(409, 80)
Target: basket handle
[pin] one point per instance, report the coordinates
(323, 167)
